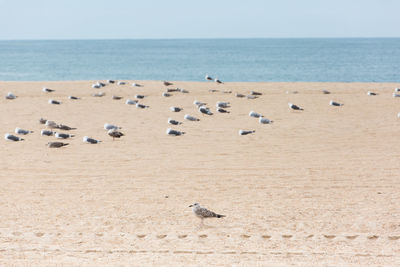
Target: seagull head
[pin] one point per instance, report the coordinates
(195, 205)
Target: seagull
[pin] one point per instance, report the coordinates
(166, 94)
(138, 105)
(240, 95)
(11, 96)
(333, 103)
(45, 132)
(326, 92)
(221, 110)
(73, 97)
(198, 103)
(183, 91)
(294, 107)
(246, 132)
(397, 89)
(108, 127)
(221, 104)
(42, 121)
(217, 81)
(54, 102)
(131, 102)
(136, 85)
(173, 122)
(139, 96)
(190, 118)
(110, 81)
(213, 90)
(175, 109)
(121, 83)
(11, 137)
(174, 132)
(208, 78)
(205, 110)
(65, 127)
(203, 213)
(251, 96)
(264, 120)
(63, 135)
(115, 97)
(167, 83)
(56, 144)
(396, 95)
(255, 93)
(255, 114)
(47, 90)
(99, 94)
(115, 134)
(96, 85)
(22, 131)
(371, 93)
(51, 124)
(170, 90)
(87, 139)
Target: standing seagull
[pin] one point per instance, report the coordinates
(203, 213)
(115, 134)
(217, 80)
(294, 107)
(208, 78)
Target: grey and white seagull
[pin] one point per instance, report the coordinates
(203, 213)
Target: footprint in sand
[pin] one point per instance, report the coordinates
(245, 236)
(161, 236)
(310, 236)
(351, 237)
(141, 236)
(203, 236)
(39, 234)
(287, 236)
(182, 236)
(266, 236)
(329, 236)
(373, 237)
(393, 237)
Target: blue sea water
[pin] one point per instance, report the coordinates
(334, 60)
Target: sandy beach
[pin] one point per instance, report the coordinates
(317, 187)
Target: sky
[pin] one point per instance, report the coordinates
(159, 19)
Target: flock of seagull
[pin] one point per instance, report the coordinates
(52, 128)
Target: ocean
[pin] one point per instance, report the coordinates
(285, 60)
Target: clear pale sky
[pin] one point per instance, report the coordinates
(124, 19)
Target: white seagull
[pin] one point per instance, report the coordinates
(294, 107)
(190, 118)
(108, 127)
(204, 213)
(11, 137)
(174, 132)
(255, 114)
(22, 131)
(11, 96)
(89, 140)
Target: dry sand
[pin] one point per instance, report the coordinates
(315, 187)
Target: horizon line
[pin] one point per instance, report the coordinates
(196, 38)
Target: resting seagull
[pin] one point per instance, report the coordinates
(131, 102)
(221, 110)
(190, 118)
(22, 131)
(294, 107)
(174, 132)
(203, 213)
(205, 110)
(246, 132)
(221, 104)
(264, 120)
(173, 122)
(217, 80)
(333, 103)
(56, 144)
(63, 135)
(90, 140)
(11, 96)
(167, 83)
(255, 114)
(371, 93)
(208, 78)
(45, 132)
(54, 102)
(47, 90)
(11, 137)
(175, 109)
